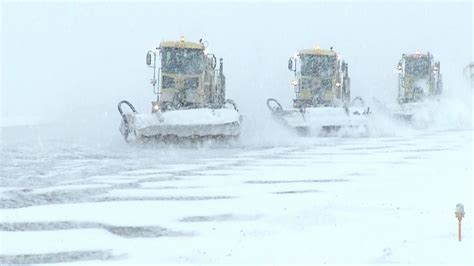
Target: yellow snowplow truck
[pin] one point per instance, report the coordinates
(190, 97)
(322, 79)
(323, 97)
(419, 78)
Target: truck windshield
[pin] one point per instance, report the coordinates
(417, 66)
(318, 65)
(182, 61)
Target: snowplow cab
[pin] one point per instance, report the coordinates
(419, 77)
(190, 104)
(187, 76)
(322, 105)
(321, 78)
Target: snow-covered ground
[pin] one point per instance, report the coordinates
(72, 191)
(315, 200)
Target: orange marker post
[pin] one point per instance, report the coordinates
(459, 214)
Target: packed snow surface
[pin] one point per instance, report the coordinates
(387, 199)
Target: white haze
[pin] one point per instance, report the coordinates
(70, 63)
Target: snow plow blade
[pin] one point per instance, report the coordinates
(416, 112)
(177, 125)
(163, 132)
(403, 116)
(322, 121)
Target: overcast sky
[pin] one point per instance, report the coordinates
(61, 59)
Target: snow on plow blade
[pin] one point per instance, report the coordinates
(190, 131)
(324, 120)
(419, 113)
(403, 116)
(195, 124)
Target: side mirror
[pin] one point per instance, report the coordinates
(292, 64)
(148, 58)
(213, 60)
(221, 66)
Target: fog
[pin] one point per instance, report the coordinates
(66, 62)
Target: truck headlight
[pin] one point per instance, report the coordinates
(155, 106)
